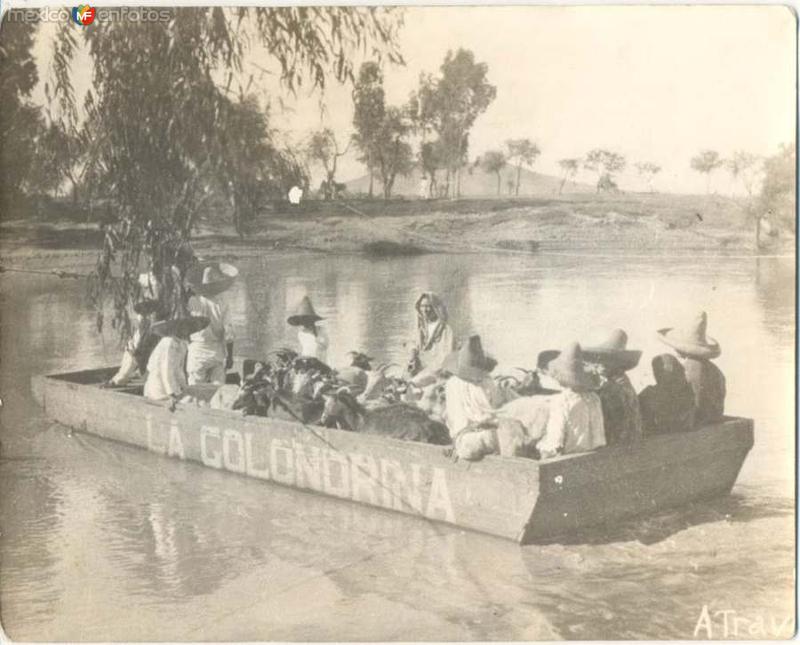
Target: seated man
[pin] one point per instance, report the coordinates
(471, 401)
(667, 406)
(575, 420)
(166, 378)
(696, 351)
(622, 419)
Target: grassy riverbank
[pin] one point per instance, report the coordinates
(582, 223)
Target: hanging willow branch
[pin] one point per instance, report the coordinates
(165, 133)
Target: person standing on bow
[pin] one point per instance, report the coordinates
(312, 338)
(210, 351)
(435, 339)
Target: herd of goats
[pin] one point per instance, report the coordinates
(305, 389)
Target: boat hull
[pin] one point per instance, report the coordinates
(518, 499)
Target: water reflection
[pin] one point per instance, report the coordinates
(89, 526)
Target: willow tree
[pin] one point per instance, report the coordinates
(159, 106)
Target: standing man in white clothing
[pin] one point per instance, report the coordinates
(313, 340)
(210, 350)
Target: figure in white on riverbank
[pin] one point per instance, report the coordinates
(312, 338)
(210, 350)
(295, 195)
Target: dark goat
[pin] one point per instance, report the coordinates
(398, 420)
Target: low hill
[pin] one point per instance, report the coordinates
(477, 183)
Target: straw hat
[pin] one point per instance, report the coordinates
(211, 278)
(568, 369)
(691, 340)
(180, 326)
(146, 307)
(469, 362)
(304, 313)
(612, 352)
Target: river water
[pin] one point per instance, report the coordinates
(104, 542)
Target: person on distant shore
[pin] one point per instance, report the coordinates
(312, 338)
(139, 346)
(210, 350)
(622, 419)
(166, 378)
(667, 406)
(696, 350)
(435, 339)
(575, 421)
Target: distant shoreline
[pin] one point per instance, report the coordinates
(652, 224)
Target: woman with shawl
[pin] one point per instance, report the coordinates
(435, 340)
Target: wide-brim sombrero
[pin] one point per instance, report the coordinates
(690, 345)
(211, 278)
(147, 306)
(625, 359)
(304, 314)
(569, 369)
(180, 326)
(469, 363)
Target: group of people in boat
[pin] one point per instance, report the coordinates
(596, 405)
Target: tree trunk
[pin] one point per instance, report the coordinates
(519, 171)
(498, 183)
(561, 186)
(371, 176)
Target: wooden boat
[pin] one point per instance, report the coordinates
(520, 499)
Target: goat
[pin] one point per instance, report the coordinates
(398, 420)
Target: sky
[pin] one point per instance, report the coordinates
(656, 83)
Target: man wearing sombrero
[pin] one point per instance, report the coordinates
(696, 350)
(166, 379)
(622, 419)
(311, 337)
(575, 418)
(210, 350)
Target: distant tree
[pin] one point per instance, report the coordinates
(430, 159)
(252, 169)
(521, 151)
(569, 168)
(448, 106)
(393, 153)
(494, 161)
(368, 115)
(746, 167)
(777, 198)
(20, 121)
(705, 163)
(323, 148)
(606, 164)
(648, 172)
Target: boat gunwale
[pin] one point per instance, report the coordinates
(527, 464)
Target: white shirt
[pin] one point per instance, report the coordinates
(575, 424)
(210, 342)
(313, 345)
(470, 403)
(165, 374)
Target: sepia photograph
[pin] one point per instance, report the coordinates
(397, 323)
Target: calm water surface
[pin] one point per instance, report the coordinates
(104, 542)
